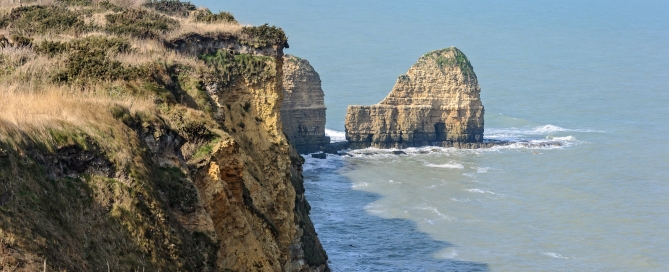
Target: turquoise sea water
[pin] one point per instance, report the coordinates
(593, 75)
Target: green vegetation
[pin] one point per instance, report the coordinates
(171, 7)
(93, 43)
(29, 20)
(229, 66)
(208, 17)
(89, 59)
(458, 59)
(139, 23)
(264, 36)
(103, 129)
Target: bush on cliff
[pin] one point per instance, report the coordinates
(171, 7)
(139, 23)
(229, 66)
(29, 20)
(207, 16)
(263, 36)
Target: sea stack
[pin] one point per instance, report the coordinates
(437, 102)
(303, 108)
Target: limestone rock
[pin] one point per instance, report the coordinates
(303, 108)
(437, 102)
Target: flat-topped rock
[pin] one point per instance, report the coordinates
(303, 107)
(437, 102)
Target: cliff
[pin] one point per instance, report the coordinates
(303, 107)
(146, 137)
(437, 102)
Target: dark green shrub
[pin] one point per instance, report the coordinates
(229, 66)
(21, 41)
(89, 60)
(30, 20)
(171, 7)
(263, 36)
(111, 45)
(75, 2)
(109, 6)
(139, 23)
(208, 17)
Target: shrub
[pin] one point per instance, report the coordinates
(111, 45)
(89, 59)
(51, 48)
(75, 2)
(207, 16)
(139, 23)
(30, 20)
(171, 7)
(228, 66)
(264, 36)
(21, 41)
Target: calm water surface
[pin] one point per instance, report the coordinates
(592, 75)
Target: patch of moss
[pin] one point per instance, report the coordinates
(458, 60)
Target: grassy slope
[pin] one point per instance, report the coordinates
(81, 91)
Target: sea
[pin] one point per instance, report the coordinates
(592, 75)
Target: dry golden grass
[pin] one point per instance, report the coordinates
(190, 26)
(7, 5)
(63, 108)
(151, 51)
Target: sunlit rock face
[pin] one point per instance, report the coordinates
(437, 102)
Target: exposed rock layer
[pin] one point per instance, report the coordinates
(436, 103)
(236, 203)
(252, 184)
(303, 108)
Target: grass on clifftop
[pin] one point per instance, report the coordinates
(84, 83)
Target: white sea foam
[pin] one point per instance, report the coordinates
(446, 165)
(481, 169)
(469, 175)
(438, 213)
(332, 162)
(555, 255)
(475, 190)
(359, 185)
(447, 254)
(335, 136)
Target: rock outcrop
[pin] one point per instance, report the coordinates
(436, 103)
(199, 177)
(303, 108)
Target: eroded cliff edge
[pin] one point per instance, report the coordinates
(303, 108)
(437, 102)
(147, 146)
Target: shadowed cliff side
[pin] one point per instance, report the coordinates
(303, 108)
(146, 136)
(436, 103)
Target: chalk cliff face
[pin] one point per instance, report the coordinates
(200, 177)
(303, 108)
(436, 102)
